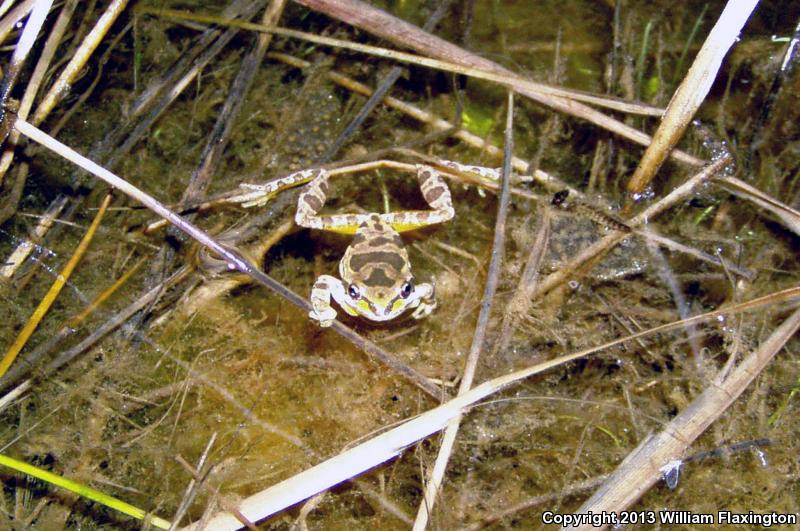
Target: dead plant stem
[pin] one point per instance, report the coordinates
(234, 259)
(692, 91)
(641, 469)
(479, 337)
(26, 41)
(384, 25)
(62, 85)
(51, 296)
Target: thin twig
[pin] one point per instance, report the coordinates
(61, 86)
(234, 260)
(107, 327)
(382, 24)
(30, 359)
(192, 487)
(26, 41)
(642, 468)
(380, 92)
(521, 301)
(505, 77)
(55, 289)
(54, 37)
(27, 245)
(219, 136)
(479, 337)
(788, 215)
(387, 445)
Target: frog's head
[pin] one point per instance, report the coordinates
(376, 276)
(378, 290)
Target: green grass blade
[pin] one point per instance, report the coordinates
(82, 490)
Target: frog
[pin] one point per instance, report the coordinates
(376, 281)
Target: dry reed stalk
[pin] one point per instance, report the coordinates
(107, 327)
(29, 244)
(227, 116)
(642, 468)
(193, 487)
(788, 215)
(367, 455)
(235, 260)
(521, 301)
(479, 337)
(692, 91)
(507, 78)
(28, 363)
(382, 24)
(26, 41)
(54, 37)
(62, 84)
(50, 298)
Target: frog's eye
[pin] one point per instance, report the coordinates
(406, 289)
(354, 292)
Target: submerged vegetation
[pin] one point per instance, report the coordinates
(176, 379)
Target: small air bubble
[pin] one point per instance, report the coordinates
(671, 472)
(762, 457)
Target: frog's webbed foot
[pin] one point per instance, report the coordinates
(485, 176)
(257, 195)
(324, 288)
(427, 300)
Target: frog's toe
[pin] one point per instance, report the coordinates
(424, 309)
(324, 317)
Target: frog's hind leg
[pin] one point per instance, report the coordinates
(311, 201)
(436, 194)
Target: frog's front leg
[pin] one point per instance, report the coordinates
(426, 294)
(324, 288)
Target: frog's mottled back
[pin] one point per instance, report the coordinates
(377, 265)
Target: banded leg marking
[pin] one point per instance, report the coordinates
(436, 194)
(492, 175)
(311, 202)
